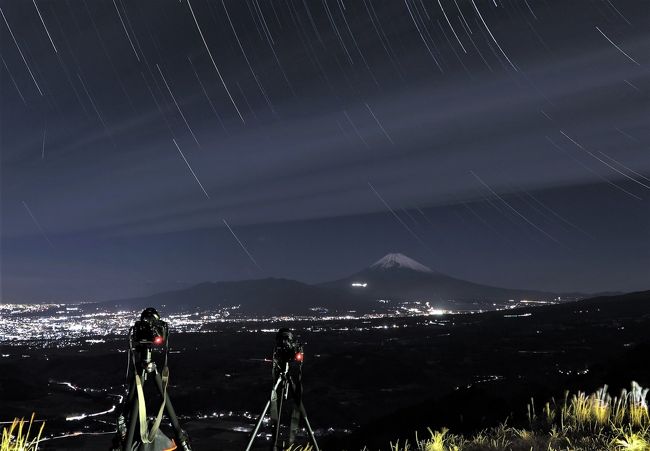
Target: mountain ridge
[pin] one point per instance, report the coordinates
(268, 296)
(394, 277)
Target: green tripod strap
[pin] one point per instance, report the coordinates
(149, 435)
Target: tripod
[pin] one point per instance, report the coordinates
(134, 411)
(290, 385)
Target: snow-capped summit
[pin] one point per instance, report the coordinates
(397, 260)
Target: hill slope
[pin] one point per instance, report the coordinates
(540, 352)
(259, 297)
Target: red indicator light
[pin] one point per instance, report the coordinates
(158, 340)
(299, 357)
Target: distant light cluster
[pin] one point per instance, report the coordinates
(61, 325)
(58, 323)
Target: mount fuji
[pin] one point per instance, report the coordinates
(398, 277)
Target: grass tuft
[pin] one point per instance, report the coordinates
(16, 438)
(595, 422)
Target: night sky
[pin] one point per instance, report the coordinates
(149, 145)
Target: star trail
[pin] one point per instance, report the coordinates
(509, 138)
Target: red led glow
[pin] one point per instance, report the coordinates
(158, 340)
(299, 357)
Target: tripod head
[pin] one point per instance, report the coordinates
(148, 334)
(150, 330)
(287, 349)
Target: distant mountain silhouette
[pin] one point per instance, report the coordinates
(395, 277)
(259, 297)
(398, 277)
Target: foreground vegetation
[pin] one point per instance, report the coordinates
(16, 437)
(581, 422)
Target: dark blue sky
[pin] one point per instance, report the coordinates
(509, 138)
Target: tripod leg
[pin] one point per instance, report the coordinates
(133, 421)
(276, 435)
(181, 436)
(129, 396)
(257, 426)
(310, 431)
(122, 418)
(295, 390)
(261, 418)
(168, 403)
(294, 423)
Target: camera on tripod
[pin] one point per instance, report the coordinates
(150, 330)
(135, 429)
(287, 348)
(288, 357)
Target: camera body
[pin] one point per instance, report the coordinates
(287, 348)
(150, 329)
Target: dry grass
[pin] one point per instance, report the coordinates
(595, 422)
(16, 437)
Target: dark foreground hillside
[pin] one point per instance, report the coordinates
(532, 353)
(382, 379)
